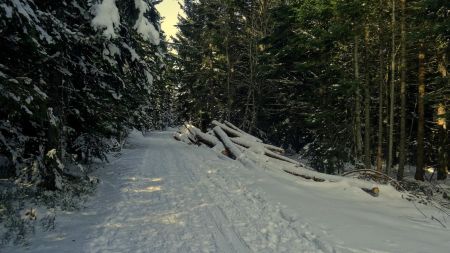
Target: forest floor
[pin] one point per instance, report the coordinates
(161, 195)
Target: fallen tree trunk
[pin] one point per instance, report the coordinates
(305, 173)
(209, 140)
(372, 190)
(229, 124)
(246, 143)
(229, 145)
(280, 157)
(253, 153)
(261, 148)
(304, 176)
(183, 135)
(235, 133)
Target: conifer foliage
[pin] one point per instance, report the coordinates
(74, 77)
(339, 80)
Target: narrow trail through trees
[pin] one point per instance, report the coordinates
(171, 201)
(161, 195)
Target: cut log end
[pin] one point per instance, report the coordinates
(227, 153)
(375, 191)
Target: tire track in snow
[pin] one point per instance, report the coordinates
(275, 230)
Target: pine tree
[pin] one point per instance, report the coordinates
(74, 77)
(300, 73)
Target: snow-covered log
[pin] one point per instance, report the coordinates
(232, 148)
(261, 147)
(209, 140)
(280, 157)
(234, 133)
(274, 148)
(184, 135)
(231, 125)
(253, 153)
(321, 177)
(248, 143)
(365, 186)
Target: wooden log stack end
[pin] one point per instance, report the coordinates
(375, 191)
(224, 136)
(229, 140)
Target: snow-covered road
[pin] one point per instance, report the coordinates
(166, 196)
(170, 200)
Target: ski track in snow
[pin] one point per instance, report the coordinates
(160, 195)
(171, 201)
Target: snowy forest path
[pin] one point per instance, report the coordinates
(169, 198)
(160, 195)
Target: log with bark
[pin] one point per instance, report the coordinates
(229, 145)
(212, 139)
(236, 133)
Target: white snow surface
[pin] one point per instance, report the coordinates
(161, 195)
(106, 17)
(143, 26)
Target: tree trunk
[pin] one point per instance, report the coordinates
(421, 121)
(442, 125)
(250, 108)
(358, 135)
(381, 94)
(402, 155)
(392, 96)
(229, 97)
(367, 128)
(443, 159)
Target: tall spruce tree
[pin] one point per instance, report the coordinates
(75, 75)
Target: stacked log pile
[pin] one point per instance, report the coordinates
(227, 139)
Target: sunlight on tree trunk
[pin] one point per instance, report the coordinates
(442, 125)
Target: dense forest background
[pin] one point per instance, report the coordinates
(342, 81)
